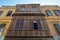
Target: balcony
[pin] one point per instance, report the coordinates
(28, 33)
(28, 14)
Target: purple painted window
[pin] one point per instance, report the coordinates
(31, 24)
(19, 24)
(39, 26)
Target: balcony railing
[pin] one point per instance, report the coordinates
(28, 33)
(28, 14)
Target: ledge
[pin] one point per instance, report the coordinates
(28, 14)
(28, 36)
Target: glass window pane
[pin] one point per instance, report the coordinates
(34, 8)
(57, 12)
(49, 13)
(57, 27)
(22, 9)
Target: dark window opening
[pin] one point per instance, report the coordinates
(9, 13)
(1, 12)
(35, 26)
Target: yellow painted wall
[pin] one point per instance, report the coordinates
(7, 22)
(6, 19)
(51, 19)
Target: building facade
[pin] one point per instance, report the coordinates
(30, 22)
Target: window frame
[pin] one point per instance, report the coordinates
(49, 13)
(35, 25)
(57, 28)
(39, 26)
(34, 9)
(9, 13)
(19, 24)
(1, 13)
(55, 11)
(22, 9)
(2, 26)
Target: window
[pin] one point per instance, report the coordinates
(1, 28)
(35, 24)
(1, 12)
(34, 8)
(19, 24)
(49, 13)
(22, 9)
(57, 27)
(57, 12)
(9, 13)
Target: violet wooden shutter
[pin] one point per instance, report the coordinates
(31, 24)
(39, 24)
(19, 24)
